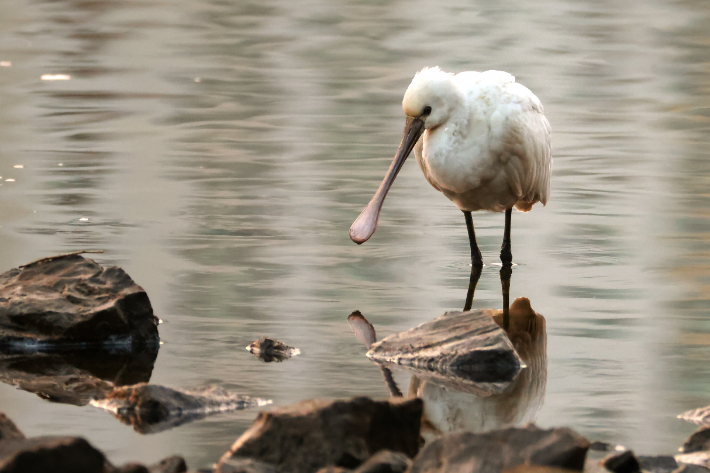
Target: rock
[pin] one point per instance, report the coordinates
(334, 469)
(173, 464)
(50, 454)
(697, 442)
(699, 416)
(623, 462)
(495, 451)
(70, 300)
(268, 350)
(695, 458)
(316, 433)
(658, 464)
(245, 465)
(385, 461)
(686, 468)
(150, 408)
(459, 349)
(131, 468)
(76, 377)
(8, 429)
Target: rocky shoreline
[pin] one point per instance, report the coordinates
(76, 333)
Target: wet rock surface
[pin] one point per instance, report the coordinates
(76, 377)
(463, 350)
(152, 408)
(495, 451)
(50, 454)
(313, 434)
(71, 300)
(623, 462)
(268, 350)
(697, 442)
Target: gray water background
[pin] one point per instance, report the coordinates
(219, 151)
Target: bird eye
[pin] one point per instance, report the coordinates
(426, 111)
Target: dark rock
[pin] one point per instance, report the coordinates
(686, 468)
(697, 442)
(173, 464)
(151, 408)
(76, 377)
(598, 446)
(459, 349)
(313, 434)
(658, 464)
(623, 462)
(385, 461)
(245, 465)
(50, 454)
(268, 350)
(72, 300)
(8, 429)
(494, 451)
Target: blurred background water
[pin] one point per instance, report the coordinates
(219, 151)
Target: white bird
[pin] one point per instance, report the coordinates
(485, 145)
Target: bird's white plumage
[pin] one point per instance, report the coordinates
(486, 144)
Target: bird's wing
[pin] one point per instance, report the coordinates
(520, 139)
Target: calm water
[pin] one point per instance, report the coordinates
(219, 151)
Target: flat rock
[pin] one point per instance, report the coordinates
(76, 377)
(50, 454)
(495, 451)
(697, 442)
(268, 350)
(314, 434)
(151, 408)
(8, 429)
(460, 347)
(70, 300)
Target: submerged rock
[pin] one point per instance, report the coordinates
(151, 408)
(76, 377)
(466, 351)
(70, 300)
(316, 433)
(468, 452)
(268, 350)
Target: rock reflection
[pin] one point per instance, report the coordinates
(452, 403)
(75, 377)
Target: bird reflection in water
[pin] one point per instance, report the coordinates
(446, 409)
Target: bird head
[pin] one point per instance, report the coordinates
(431, 97)
(428, 103)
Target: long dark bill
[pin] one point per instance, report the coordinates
(365, 225)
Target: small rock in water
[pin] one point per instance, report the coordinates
(151, 408)
(697, 442)
(69, 300)
(624, 462)
(8, 429)
(318, 433)
(268, 350)
(699, 416)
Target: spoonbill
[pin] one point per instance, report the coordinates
(485, 145)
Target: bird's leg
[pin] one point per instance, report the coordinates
(475, 275)
(506, 255)
(476, 259)
(505, 273)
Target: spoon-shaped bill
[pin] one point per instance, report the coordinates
(365, 225)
